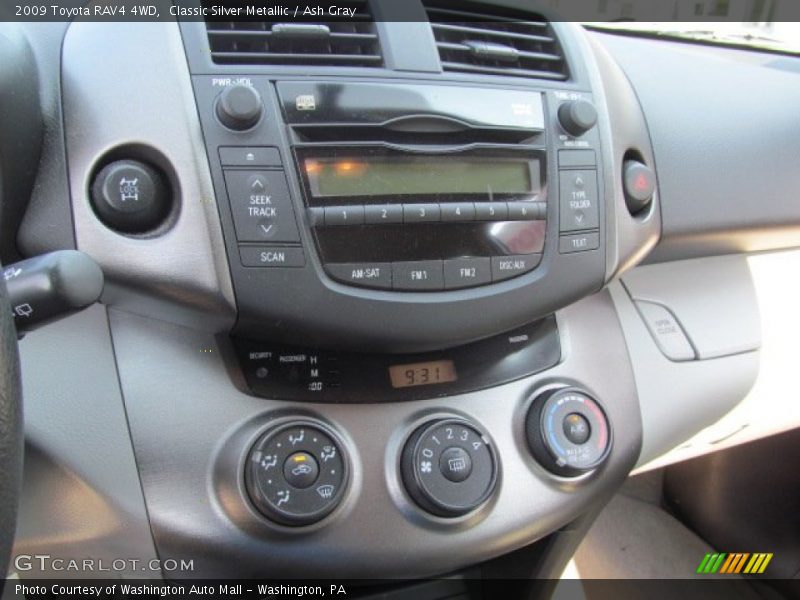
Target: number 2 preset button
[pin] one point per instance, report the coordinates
(383, 213)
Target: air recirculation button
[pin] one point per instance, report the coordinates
(449, 467)
(568, 432)
(296, 473)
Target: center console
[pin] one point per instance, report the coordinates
(398, 359)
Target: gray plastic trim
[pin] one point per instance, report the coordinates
(623, 127)
(678, 399)
(81, 492)
(139, 94)
(176, 388)
(713, 299)
(726, 137)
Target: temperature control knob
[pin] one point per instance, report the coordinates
(577, 116)
(296, 473)
(568, 432)
(239, 107)
(449, 467)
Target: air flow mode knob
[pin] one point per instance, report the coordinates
(577, 116)
(239, 107)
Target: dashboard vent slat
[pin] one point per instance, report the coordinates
(472, 38)
(352, 42)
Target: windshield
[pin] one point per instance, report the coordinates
(775, 36)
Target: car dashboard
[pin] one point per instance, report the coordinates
(384, 298)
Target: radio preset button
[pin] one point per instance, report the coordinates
(344, 215)
(578, 192)
(491, 211)
(458, 211)
(506, 267)
(261, 206)
(371, 275)
(418, 275)
(467, 272)
(525, 211)
(383, 213)
(421, 213)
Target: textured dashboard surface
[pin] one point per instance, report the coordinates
(725, 147)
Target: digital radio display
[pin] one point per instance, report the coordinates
(333, 177)
(424, 373)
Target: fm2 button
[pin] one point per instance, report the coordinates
(449, 467)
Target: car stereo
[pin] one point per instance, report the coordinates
(381, 215)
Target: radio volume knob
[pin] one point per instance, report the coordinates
(577, 116)
(239, 107)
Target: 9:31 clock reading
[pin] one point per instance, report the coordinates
(424, 373)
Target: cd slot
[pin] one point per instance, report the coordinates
(371, 133)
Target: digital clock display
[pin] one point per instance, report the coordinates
(424, 373)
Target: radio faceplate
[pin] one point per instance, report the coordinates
(431, 263)
(419, 218)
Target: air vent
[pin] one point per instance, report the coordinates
(476, 39)
(351, 42)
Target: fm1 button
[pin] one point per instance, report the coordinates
(300, 470)
(455, 464)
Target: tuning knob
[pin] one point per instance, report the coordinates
(577, 116)
(239, 107)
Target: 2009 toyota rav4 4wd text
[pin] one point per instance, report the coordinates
(380, 299)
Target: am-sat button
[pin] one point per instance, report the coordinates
(373, 275)
(506, 267)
